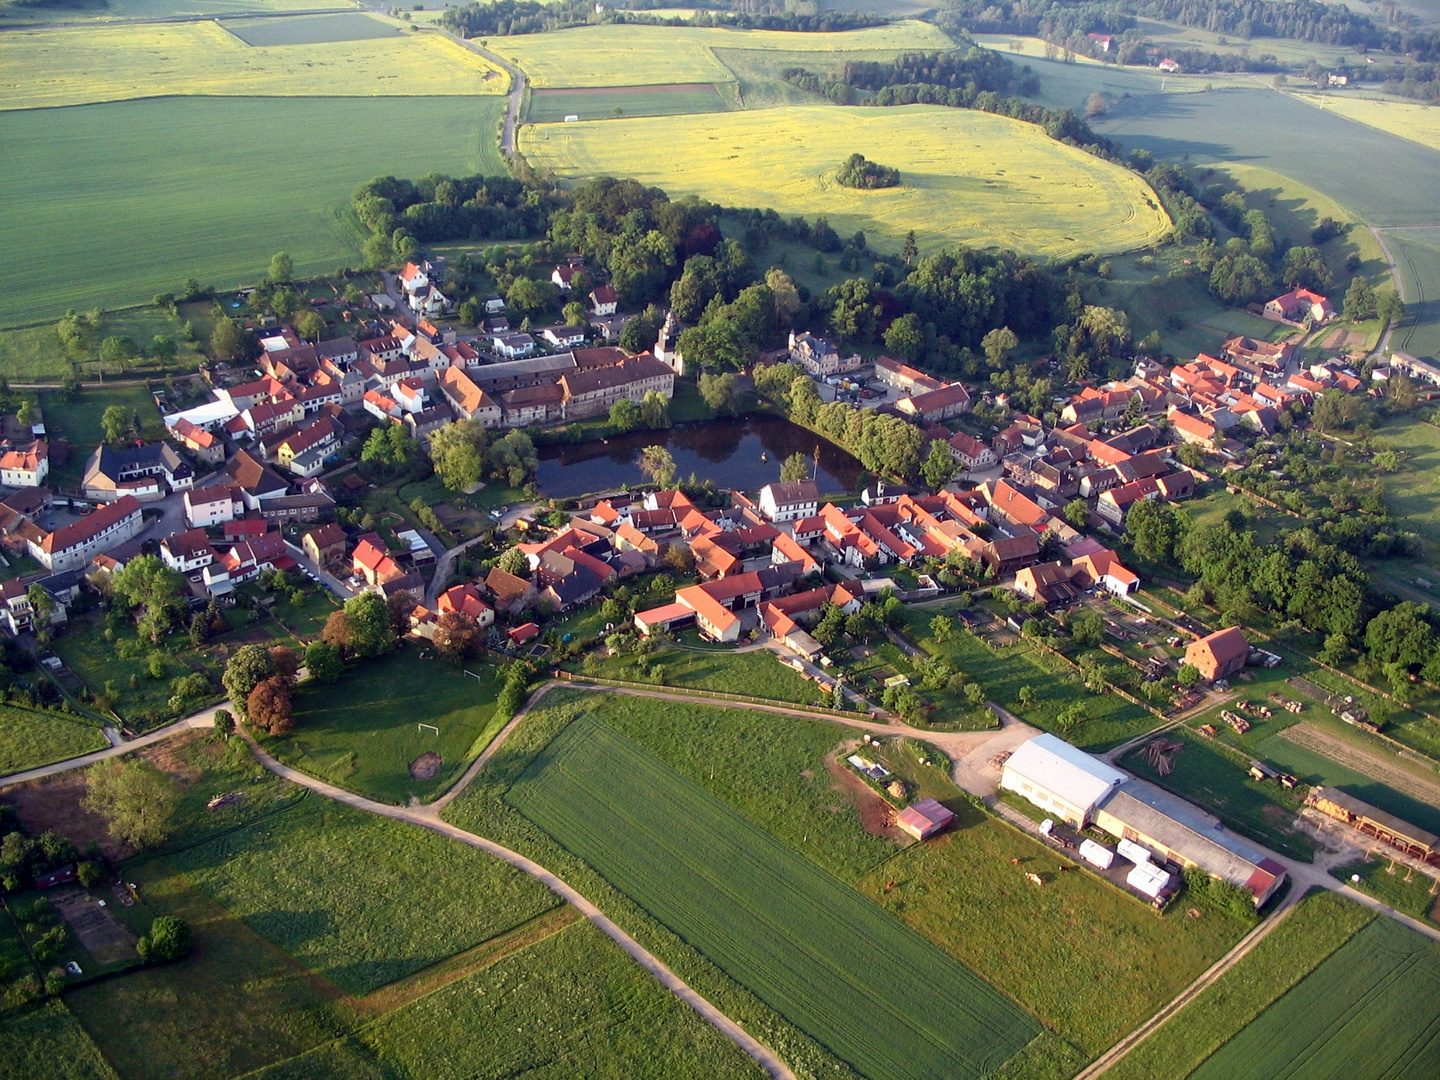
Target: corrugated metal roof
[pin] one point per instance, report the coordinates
(1063, 770)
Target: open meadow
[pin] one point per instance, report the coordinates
(29, 738)
(1310, 933)
(966, 177)
(617, 55)
(1370, 1011)
(572, 1004)
(1407, 119)
(117, 201)
(363, 733)
(755, 674)
(45, 1043)
(48, 67)
(360, 900)
(814, 949)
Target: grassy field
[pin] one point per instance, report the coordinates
(237, 1003)
(1310, 933)
(34, 353)
(571, 1005)
(362, 733)
(81, 66)
(1104, 961)
(1413, 493)
(1417, 252)
(1003, 672)
(310, 29)
(117, 200)
(1392, 884)
(45, 1043)
(604, 102)
(967, 177)
(770, 768)
(1216, 779)
(1409, 120)
(813, 949)
(1369, 1011)
(359, 899)
(29, 738)
(1273, 131)
(589, 56)
(759, 673)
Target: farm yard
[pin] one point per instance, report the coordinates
(812, 948)
(358, 899)
(1370, 1011)
(363, 732)
(967, 177)
(113, 197)
(587, 56)
(606, 102)
(85, 65)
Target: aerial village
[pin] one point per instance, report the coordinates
(255, 481)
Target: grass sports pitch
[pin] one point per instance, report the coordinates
(966, 177)
(607, 102)
(815, 950)
(129, 199)
(618, 55)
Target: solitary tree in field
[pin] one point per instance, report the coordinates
(269, 707)
(114, 423)
(135, 798)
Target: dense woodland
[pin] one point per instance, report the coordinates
(505, 17)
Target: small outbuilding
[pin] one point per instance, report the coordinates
(925, 818)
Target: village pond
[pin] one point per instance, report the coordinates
(744, 454)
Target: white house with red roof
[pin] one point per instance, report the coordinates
(1298, 305)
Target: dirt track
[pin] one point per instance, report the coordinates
(1372, 763)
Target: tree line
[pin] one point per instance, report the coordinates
(502, 18)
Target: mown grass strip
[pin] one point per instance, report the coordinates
(813, 949)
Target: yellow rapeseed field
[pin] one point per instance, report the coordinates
(1416, 122)
(967, 177)
(615, 55)
(77, 66)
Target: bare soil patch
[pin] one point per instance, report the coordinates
(1371, 763)
(53, 805)
(877, 817)
(426, 766)
(95, 928)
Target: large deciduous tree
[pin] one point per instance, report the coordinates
(135, 798)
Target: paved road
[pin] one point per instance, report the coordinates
(329, 580)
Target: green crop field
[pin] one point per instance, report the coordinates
(45, 1043)
(966, 177)
(309, 29)
(769, 767)
(1417, 252)
(1310, 933)
(29, 738)
(1003, 672)
(126, 200)
(363, 732)
(616, 55)
(812, 948)
(54, 66)
(361, 900)
(1371, 1011)
(606, 102)
(571, 1005)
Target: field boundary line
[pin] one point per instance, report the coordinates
(1105, 1061)
(429, 818)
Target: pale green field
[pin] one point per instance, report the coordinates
(641, 55)
(47, 67)
(967, 177)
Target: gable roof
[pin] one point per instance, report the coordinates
(1067, 771)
